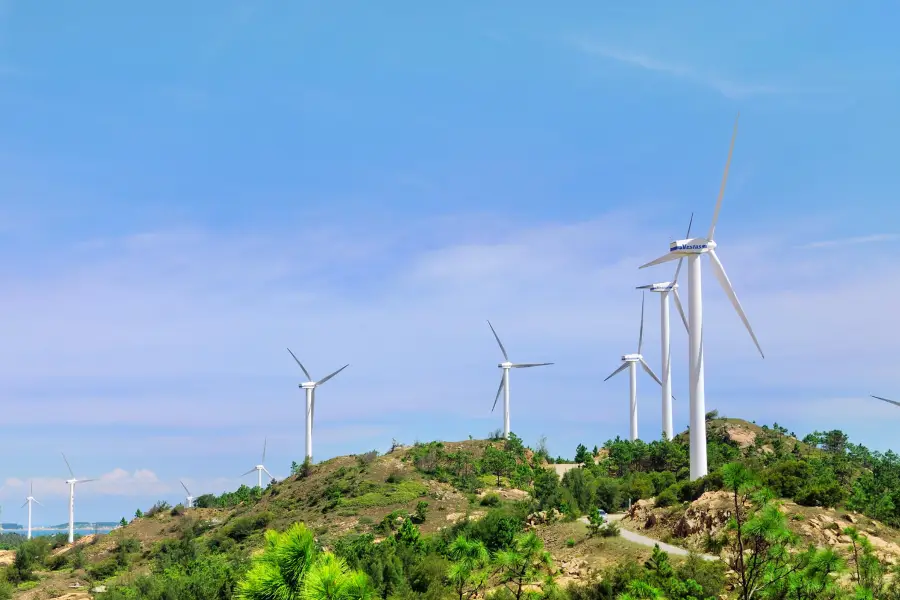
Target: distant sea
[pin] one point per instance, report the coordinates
(40, 532)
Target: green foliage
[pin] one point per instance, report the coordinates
(292, 567)
(160, 506)
(490, 500)
(421, 512)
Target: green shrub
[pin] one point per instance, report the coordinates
(666, 497)
(491, 500)
(103, 570)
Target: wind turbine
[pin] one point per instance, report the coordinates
(504, 381)
(258, 468)
(886, 400)
(693, 249)
(664, 289)
(310, 387)
(630, 362)
(28, 501)
(189, 500)
(71, 483)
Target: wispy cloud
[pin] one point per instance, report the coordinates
(854, 241)
(728, 87)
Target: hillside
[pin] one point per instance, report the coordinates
(354, 504)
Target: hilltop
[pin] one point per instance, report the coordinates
(354, 504)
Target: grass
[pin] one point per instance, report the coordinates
(387, 494)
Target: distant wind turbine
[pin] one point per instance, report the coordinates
(504, 380)
(886, 400)
(29, 501)
(71, 483)
(630, 362)
(189, 500)
(664, 289)
(310, 386)
(260, 468)
(693, 249)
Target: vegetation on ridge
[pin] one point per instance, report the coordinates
(490, 519)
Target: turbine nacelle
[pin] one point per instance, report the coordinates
(71, 481)
(308, 385)
(691, 246)
(632, 358)
(505, 365)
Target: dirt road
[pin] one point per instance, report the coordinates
(643, 540)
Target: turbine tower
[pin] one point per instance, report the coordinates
(189, 500)
(886, 400)
(630, 362)
(693, 249)
(29, 501)
(664, 289)
(71, 483)
(310, 386)
(504, 381)
(260, 468)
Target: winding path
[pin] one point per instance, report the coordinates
(643, 540)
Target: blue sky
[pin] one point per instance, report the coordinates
(187, 191)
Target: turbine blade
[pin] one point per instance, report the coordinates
(719, 272)
(886, 400)
(253, 470)
(641, 334)
(687, 236)
(677, 270)
(305, 372)
(497, 337)
(680, 309)
(185, 488)
(644, 287)
(662, 259)
(85, 480)
(265, 441)
(267, 473)
(24, 505)
(712, 226)
(68, 465)
(617, 371)
(36, 502)
(650, 371)
(332, 375)
(497, 397)
(526, 365)
(32, 489)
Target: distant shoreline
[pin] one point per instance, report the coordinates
(23, 531)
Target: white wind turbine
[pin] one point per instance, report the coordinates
(71, 483)
(886, 400)
(189, 500)
(310, 386)
(693, 249)
(664, 289)
(260, 468)
(504, 381)
(29, 501)
(630, 362)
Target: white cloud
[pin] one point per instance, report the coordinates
(854, 241)
(181, 336)
(727, 87)
(118, 482)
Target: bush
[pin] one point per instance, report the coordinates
(177, 510)
(157, 508)
(240, 528)
(490, 500)
(364, 460)
(611, 529)
(394, 477)
(666, 498)
(421, 512)
(103, 570)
